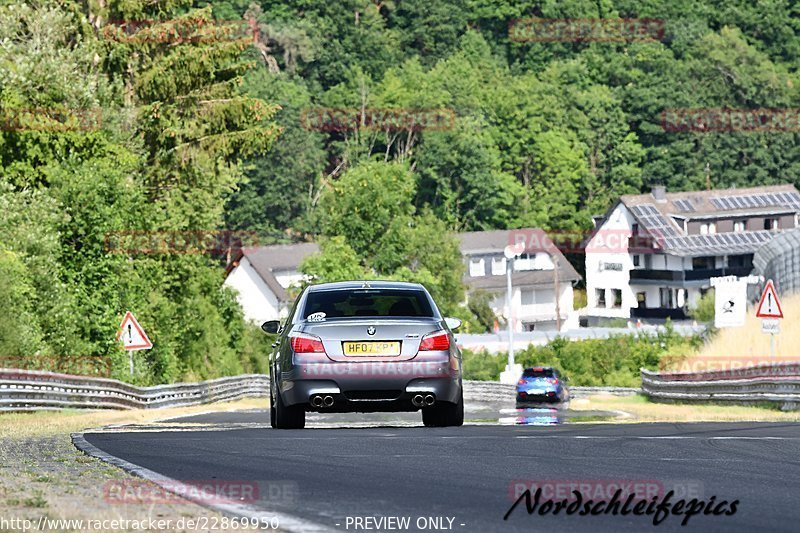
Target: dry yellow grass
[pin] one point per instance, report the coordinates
(643, 410)
(43, 423)
(733, 348)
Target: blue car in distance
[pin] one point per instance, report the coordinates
(541, 384)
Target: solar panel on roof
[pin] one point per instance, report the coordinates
(684, 205)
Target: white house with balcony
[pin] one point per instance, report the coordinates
(652, 255)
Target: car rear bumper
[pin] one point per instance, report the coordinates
(389, 387)
(546, 397)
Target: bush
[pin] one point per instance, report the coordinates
(704, 310)
(611, 362)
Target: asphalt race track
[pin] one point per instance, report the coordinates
(331, 472)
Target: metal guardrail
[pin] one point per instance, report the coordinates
(779, 383)
(32, 390)
(36, 390)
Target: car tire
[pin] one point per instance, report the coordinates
(272, 415)
(288, 417)
(446, 414)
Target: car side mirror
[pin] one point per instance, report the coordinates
(452, 323)
(271, 326)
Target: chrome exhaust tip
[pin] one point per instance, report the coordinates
(328, 401)
(429, 399)
(418, 400)
(316, 400)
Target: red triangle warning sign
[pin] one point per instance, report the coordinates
(769, 306)
(132, 335)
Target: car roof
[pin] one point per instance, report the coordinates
(364, 284)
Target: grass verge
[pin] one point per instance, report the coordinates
(642, 409)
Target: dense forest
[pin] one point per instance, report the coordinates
(187, 116)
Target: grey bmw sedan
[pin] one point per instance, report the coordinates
(365, 346)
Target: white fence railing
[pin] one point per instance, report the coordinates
(778, 383)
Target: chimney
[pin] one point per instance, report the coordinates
(659, 192)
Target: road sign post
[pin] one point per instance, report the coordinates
(132, 336)
(770, 312)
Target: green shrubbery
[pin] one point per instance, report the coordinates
(598, 362)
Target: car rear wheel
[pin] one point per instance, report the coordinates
(288, 417)
(272, 415)
(445, 414)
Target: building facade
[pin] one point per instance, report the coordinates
(652, 255)
(542, 295)
(264, 276)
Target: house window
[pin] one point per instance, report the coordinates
(477, 268)
(600, 295)
(739, 225)
(527, 297)
(616, 296)
(708, 228)
(771, 223)
(641, 299)
(666, 298)
(523, 262)
(637, 260)
(498, 266)
(740, 261)
(703, 263)
(545, 296)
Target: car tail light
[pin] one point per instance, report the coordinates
(437, 341)
(553, 381)
(523, 381)
(302, 343)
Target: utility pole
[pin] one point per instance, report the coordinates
(558, 292)
(511, 374)
(510, 319)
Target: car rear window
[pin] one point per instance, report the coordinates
(538, 373)
(367, 302)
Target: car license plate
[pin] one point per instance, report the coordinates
(371, 348)
(536, 391)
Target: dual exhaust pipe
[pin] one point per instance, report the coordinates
(319, 400)
(419, 400)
